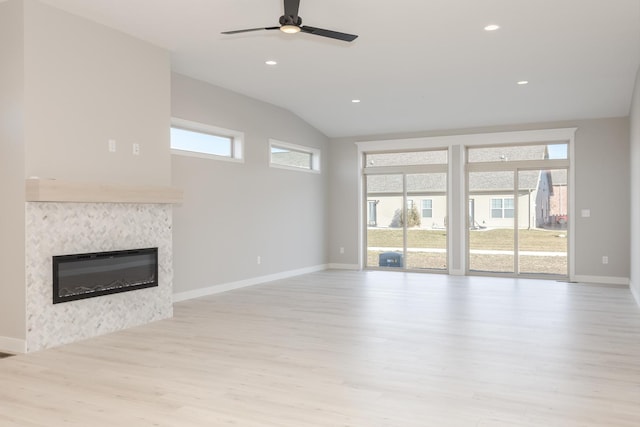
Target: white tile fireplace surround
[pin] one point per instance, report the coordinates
(63, 228)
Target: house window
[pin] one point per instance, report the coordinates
(502, 208)
(292, 156)
(409, 204)
(427, 208)
(201, 140)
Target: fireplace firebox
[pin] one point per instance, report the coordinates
(90, 275)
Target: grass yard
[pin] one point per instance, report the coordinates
(497, 239)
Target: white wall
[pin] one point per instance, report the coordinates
(234, 212)
(602, 185)
(635, 190)
(12, 291)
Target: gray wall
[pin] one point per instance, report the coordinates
(602, 185)
(234, 212)
(635, 190)
(86, 84)
(12, 287)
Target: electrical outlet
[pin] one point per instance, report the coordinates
(112, 145)
(136, 149)
(605, 259)
(259, 260)
(341, 250)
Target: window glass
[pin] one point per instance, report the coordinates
(511, 153)
(286, 157)
(199, 142)
(496, 208)
(293, 156)
(406, 158)
(427, 208)
(502, 208)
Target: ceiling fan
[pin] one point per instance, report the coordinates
(291, 23)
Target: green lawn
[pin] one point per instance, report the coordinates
(498, 239)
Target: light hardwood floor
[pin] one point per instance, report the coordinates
(367, 349)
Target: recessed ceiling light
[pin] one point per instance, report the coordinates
(523, 82)
(271, 62)
(492, 27)
(355, 101)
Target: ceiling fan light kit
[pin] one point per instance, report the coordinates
(290, 29)
(291, 23)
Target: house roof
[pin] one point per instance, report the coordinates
(478, 181)
(416, 66)
(559, 177)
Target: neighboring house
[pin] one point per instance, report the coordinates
(541, 195)
(559, 198)
(427, 193)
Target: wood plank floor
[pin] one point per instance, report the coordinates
(367, 349)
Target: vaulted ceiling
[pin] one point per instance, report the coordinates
(417, 65)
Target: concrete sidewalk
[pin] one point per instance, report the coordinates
(473, 251)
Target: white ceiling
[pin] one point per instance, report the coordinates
(417, 65)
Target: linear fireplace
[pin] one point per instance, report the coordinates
(90, 275)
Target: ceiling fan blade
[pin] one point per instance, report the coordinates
(250, 29)
(328, 33)
(291, 7)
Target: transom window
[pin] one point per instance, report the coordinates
(201, 140)
(432, 157)
(292, 156)
(511, 153)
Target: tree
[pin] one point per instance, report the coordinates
(413, 218)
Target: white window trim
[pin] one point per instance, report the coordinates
(237, 140)
(314, 152)
(458, 143)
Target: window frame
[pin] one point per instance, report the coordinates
(236, 140)
(314, 153)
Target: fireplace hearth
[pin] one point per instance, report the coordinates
(89, 275)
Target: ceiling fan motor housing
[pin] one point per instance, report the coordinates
(290, 20)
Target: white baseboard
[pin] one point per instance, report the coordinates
(457, 272)
(13, 345)
(334, 266)
(224, 287)
(602, 279)
(634, 292)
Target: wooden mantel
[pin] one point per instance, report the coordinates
(53, 190)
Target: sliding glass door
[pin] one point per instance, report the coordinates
(517, 198)
(406, 211)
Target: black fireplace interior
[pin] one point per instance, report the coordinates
(90, 275)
